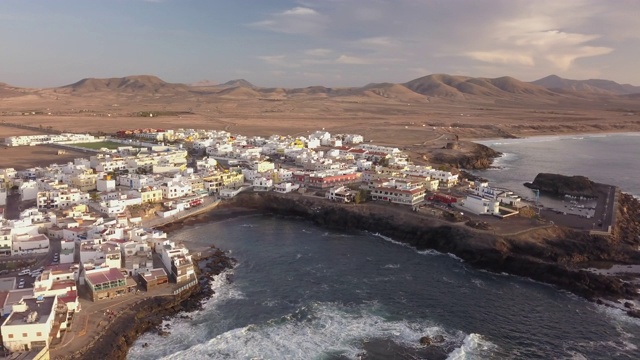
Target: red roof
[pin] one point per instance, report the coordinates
(71, 296)
(104, 276)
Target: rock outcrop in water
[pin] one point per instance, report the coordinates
(552, 256)
(556, 184)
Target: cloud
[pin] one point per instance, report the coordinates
(502, 57)
(536, 39)
(297, 20)
(352, 60)
(377, 42)
(299, 11)
(318, 52)
(279, 60)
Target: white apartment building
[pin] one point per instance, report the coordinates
(399, 191)
(113, 207)
(30, 323)
(379, 148)
(61, 199)
(353, 139)
(28, 190)
(175, 189)
(262, 184)
(446, 178)
(135, 181)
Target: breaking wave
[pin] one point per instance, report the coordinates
(322, 329)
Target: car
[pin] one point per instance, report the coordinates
(24, 272)
(21, 286)
(35, 274)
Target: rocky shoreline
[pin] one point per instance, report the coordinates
(147, 314)
(554, 256)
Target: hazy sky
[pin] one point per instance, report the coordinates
(324, 42)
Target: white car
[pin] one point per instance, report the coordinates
(24, 272)
(35, 274)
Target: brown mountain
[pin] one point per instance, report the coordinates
(139, 84)
(597, 86)
(442, 85)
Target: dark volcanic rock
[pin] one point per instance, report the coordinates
(564, 185)
(466, 155)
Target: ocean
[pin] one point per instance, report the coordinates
(610, 159)
(302, 292)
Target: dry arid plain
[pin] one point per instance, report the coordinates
(420, 116)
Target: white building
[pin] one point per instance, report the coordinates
(25, 244)
(341, 194)
(480, 206)
(28, 190)
(105, 184)
(30, 323)
(399, 191)
(175, 189)
(285, 187)
(262, 184)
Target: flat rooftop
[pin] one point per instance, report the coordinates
(7, 284)
(104, 276)
(42, 308)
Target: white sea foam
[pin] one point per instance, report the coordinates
(313, 331)
(248, 225)
(182, 328)
(474, 346)
(392, 266)
(421, 252)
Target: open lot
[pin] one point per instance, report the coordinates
(99, 145)
(24, 157)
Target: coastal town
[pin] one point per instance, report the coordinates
(84, 235)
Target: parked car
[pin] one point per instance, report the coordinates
(24, 272)
(35, 274)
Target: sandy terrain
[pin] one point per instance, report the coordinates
(24, 157)
(390, 114)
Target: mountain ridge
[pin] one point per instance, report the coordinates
(423, 89)
(600, 86)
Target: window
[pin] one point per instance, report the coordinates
(38, 333)
(10, 336)
(24, 334)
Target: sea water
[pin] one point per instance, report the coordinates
(612, 159)
(303, 292)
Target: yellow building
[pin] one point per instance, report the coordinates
(223, 180)
(151, 195)
(84, 182)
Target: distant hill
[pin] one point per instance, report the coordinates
(597, 86)
(203, 83)
(140, 84)
(448, 86)
(239, 83)
(424, 89)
